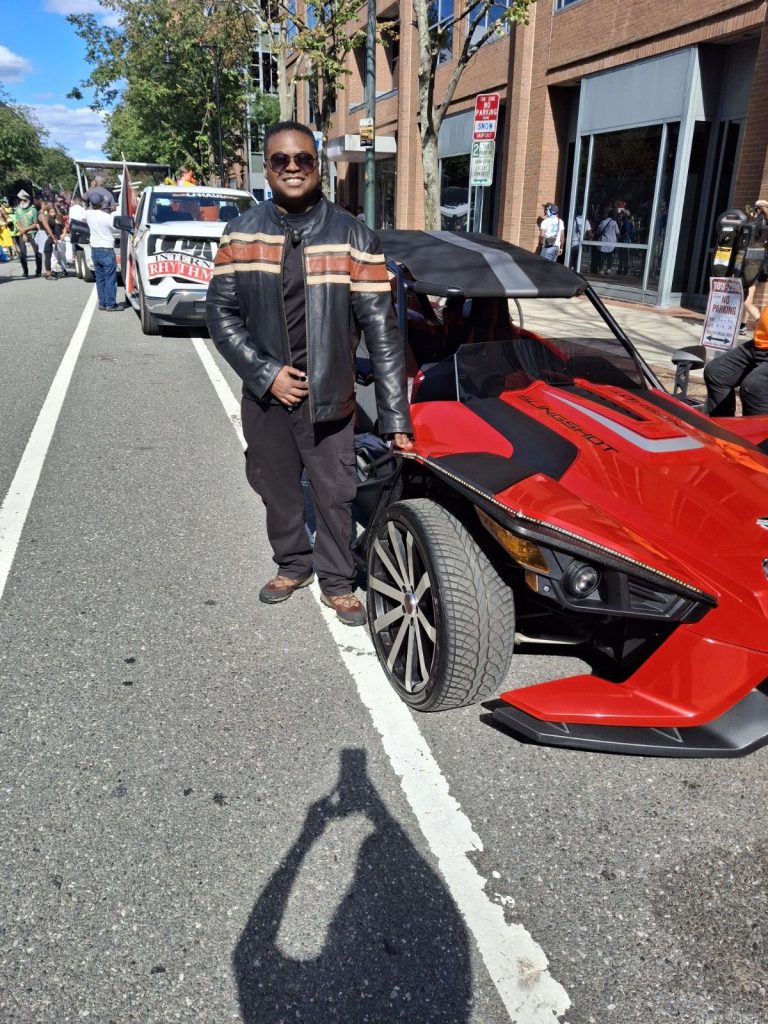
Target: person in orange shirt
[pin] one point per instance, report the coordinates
(744, 367)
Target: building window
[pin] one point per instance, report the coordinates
(480, 25)
(561, 4)
(440, 14)
(392, 47)
(264, 71)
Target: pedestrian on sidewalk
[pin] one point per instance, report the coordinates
(608, 234)
(744, 367)
(25, 216)
(551, 232)
(103, 254)
(749, 308)
(294, 282)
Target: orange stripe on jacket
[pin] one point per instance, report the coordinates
(369, 273)
(328, 263)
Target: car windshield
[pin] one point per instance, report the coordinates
(486, 370)
(175, 206)
(480, 348)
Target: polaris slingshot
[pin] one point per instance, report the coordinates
(557, 491)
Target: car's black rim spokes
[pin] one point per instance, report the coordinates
(403, 606)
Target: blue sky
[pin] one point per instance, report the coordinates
(41, 59)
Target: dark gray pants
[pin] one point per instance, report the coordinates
(281, 444)
(745, 367)
(21, 249)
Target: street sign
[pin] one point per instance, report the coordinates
(486, 117)
(481, 164)
(721, 323)
(366, 132)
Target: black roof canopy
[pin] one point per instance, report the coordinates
(479, 266)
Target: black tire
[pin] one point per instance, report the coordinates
(79, 264)
(435, 599)
(88, 275)
(149, 324)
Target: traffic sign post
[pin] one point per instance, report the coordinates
(484, 126)
(486, 117)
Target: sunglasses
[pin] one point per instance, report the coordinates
(282, 161)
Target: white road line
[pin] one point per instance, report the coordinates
(516, 963)
(15, 507)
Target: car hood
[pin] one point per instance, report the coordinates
(632, 471)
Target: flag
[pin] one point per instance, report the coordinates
(128, 205)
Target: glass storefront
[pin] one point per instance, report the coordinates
(622, 196)
(454, 193)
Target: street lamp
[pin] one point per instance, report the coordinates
(209, 10)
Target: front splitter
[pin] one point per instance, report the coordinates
(738, 731)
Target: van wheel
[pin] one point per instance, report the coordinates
(441, 617)
(148, 320)
(88, 275)
(79, 264)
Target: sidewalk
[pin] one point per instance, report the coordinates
(656, 333)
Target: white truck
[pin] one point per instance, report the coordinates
(172, 242)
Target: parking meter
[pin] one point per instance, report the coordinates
(750, 251)
(729, 228)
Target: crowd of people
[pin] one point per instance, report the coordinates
(36, 230)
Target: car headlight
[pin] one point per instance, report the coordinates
(580, 579)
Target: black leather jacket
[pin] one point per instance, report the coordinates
(347, 290)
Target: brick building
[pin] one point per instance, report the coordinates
(651, 115)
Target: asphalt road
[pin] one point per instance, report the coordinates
(211, 811)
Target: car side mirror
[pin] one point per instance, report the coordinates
(124, 222)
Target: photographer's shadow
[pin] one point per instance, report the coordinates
(392, 948)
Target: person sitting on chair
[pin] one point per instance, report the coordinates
(745, 367)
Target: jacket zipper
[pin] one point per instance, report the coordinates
(284, 324)
(306, 333)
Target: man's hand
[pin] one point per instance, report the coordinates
(403, 441)
(290, 387)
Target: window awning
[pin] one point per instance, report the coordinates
(347, 148)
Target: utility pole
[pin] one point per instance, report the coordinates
(370, 94)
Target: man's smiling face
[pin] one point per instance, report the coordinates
(294, 189)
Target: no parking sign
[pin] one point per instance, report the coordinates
(726, 296)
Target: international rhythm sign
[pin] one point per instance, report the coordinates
(486, 117)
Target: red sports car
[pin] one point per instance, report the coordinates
(558, 491)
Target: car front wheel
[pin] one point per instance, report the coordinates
(441, 617)
(149, 324)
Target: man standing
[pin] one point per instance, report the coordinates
(295, 281)
(98, 188)
(103, 254)
(551, 231)
(25, 216)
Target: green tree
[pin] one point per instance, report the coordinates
(155, 76)
(21, 146)
(474, 24)
(54, 169)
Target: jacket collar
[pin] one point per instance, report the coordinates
(313, 225)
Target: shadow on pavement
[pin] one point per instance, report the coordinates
(394, 947)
